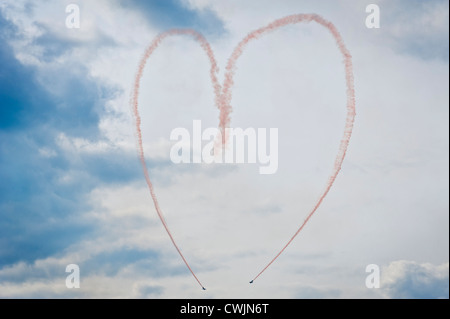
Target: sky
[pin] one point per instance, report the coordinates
(72, 190)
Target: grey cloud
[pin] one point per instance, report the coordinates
(149, 291)
(309, 292)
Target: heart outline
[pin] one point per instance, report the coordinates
(223, 102)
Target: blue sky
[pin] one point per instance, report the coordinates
(72, 191)
(173, 14)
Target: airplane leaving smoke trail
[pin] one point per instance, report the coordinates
(223, 102)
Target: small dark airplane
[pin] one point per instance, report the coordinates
(251, 281)
(203, 288)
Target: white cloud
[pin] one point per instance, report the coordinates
(409, 279)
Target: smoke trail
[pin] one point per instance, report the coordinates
(134, 102)
(226, 99)
(223, 102)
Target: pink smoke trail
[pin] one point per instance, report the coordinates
(225, 102)
(134, 102)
